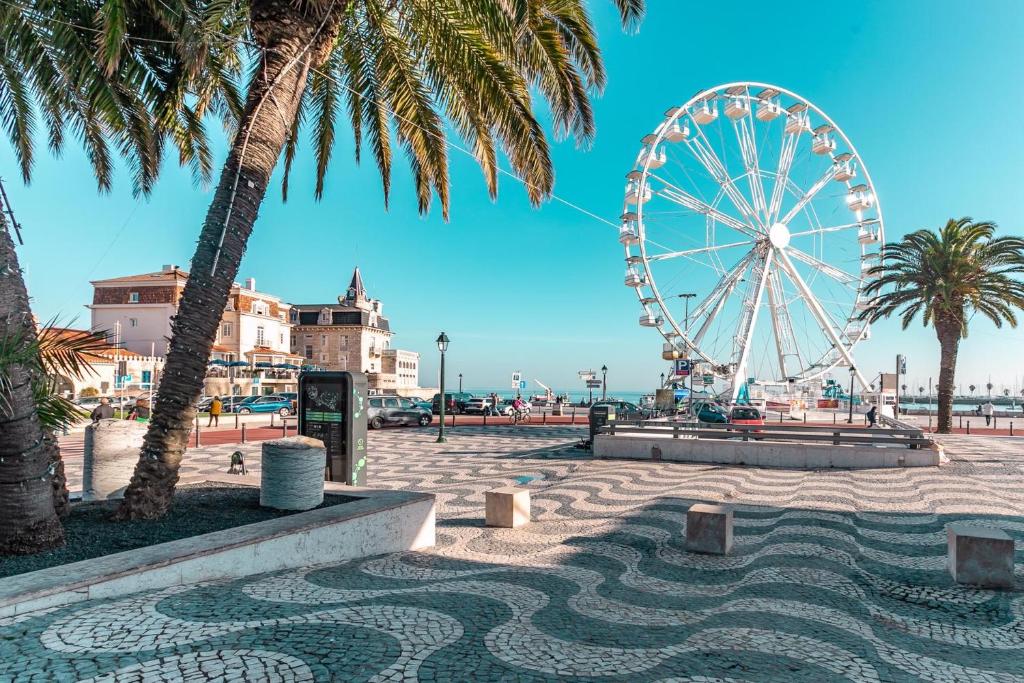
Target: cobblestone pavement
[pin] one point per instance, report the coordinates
(836, 575)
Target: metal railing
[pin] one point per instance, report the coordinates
(836, 435)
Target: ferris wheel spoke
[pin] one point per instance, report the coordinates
(705, 153)
(748, 317)
(835, 228)
(812, 191)
(782, 325)
(818, 312)
(684, 198)
(748, 150)
(701, 250)
(836, 274)
(786, 156)
(713, 303)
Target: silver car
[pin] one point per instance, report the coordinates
(395, 410)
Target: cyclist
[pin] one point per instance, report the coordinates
(518, 408)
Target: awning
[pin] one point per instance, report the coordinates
(264, 364)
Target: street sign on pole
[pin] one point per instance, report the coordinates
(682, 367)
(587, 374)
(593, 384)
(709, 380)
(517, 377)
(522, 384)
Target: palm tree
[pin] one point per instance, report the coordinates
(133, 95)
(989, 388)
(399, 68)
(948, 276)
(971, 387)
(920, 390)
(32, 490)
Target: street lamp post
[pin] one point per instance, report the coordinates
(662, 385)
(460, 382)
(442, 346)
(853, 372)
(604, 382)
(686, 329)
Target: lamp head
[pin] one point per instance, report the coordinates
(442, 342)
(604, 368)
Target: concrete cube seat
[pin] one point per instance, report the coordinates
(709, 529)
(507, 507)
(979, 555)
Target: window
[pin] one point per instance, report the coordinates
(133, 297)
(309, 352)
(376, 403)
(325, 317)
(282, 338)
(225, 330)
(133, 322)
(391, 403)
(323, 340)
(260, 308)
(261, 339)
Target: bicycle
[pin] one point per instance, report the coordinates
(517, 417)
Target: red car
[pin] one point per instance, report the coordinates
(746, 415)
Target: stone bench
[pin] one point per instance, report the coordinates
(507, 507)
(979, 555)
(709, 529)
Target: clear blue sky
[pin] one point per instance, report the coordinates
(929, 91)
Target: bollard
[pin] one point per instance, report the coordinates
(805, 417)
(929, 422)
(780, 417)
(485, 419)
(968, 426)
(197, 433)
(573, 421)
(272, 415)
(284, 427)
(243, 432)
(1011, 427)
(833, 418)
(453, 419)
(961, 422)
(544, 419)
(995, 420)
(236, 420)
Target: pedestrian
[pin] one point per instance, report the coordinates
(872, 416)
(140, 411)
(987, 410)
(215, 407)
(104, 411)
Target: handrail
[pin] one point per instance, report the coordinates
(772, 427)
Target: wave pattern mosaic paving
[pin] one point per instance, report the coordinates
(835, 575)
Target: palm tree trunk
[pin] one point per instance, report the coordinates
(28, 523)
(949, 343)
(296, 38)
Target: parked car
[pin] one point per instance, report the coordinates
(746, 415)
(478, 405)
(273, 403)
(624, 410)
(710, 413)
(455, 403)
(505, 406)
(421, 402)
(385, 410)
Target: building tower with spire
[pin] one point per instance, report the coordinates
(354, 335)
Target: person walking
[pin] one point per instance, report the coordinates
(140, 412)
(104, 411)
(987, 410)
(872, 415)
(215, 408)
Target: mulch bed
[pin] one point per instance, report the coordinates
(198, 509)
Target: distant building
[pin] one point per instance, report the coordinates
(354, 335)
(108, 368)
(137, 309)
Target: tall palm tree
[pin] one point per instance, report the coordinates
(400, 69)
(972, 388)
(133, 94)
(949, 276)
(32, 490)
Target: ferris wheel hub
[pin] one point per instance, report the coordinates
(778, 235)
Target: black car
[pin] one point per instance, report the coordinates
(455, 403)
(624, 410)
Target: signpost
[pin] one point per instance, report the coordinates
(682, 367)
(332, 408)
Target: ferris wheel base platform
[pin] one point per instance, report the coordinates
(788, 455)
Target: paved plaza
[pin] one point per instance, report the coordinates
(836, 575)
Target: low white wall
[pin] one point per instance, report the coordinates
(384, 522)
(762, 453)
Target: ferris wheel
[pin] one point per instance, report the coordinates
(751, 202)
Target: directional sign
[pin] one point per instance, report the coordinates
(125, 379)
(587, 374)
(709, 379)
(682, 367)
(594, 383)
(522, 384)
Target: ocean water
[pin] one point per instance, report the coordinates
(575, 395)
